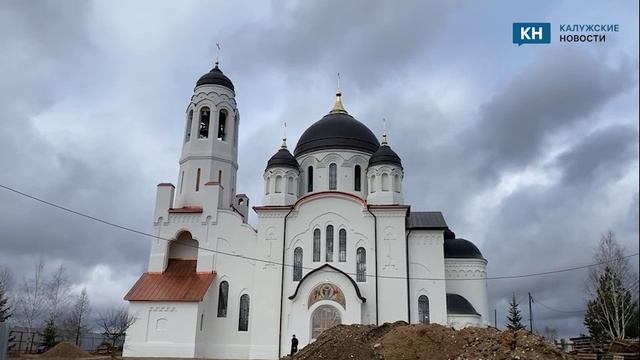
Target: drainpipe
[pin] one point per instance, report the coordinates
(408, 282)
(375, 259)
(284, 239)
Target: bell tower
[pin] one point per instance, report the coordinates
(210, 142)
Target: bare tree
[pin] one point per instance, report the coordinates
(57, 295)
(30, 303)
(6, 278)
(550, 333)
(114, 323)
(613, 288)
(76, 322)
(5, 297)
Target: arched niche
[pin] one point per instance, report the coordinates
(184, 247)
(326, 291)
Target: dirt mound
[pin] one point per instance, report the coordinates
(433, 342)
(65, 350)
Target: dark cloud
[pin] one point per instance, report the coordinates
(600, 154)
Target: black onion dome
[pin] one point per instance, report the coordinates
(459, 305)
(337, 130)
(282, 158)
(215, 77)
(461, 249)
(448, 234)
(384, 155)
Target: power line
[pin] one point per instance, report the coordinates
(560, 311)
(109, 223)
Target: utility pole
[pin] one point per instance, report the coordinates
(495, 318)
(530, 314)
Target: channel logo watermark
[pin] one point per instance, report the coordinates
(531, 33)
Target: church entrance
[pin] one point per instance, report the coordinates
(323, 318)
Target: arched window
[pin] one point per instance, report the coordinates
(333, 176)
(385, 182)
(267, 184)
(396, 183)
(203, 131)
(187, 134)
(243, 321)
(316, 245)
(220, 177)
(310, 179)
(198, 180)
(223, 299)
(423, 309)
(290, 189)
(329, 243)
(357, 178)
(342, 246)
(222, 125)
(372, 188)
(278, 184)
(361, 265)
(181, 181)
(297, 264)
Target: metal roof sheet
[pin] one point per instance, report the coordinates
(428, 220)
(180, 282)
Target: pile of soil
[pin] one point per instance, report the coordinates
(435, 342)
(65, 350)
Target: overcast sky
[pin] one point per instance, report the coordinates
(531, 152)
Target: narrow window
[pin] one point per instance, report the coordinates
(203, 131)
(357, 178)
(198, 180)
(329, 252)
(267, 184)
(243, 323)
(372, 183)
(310, 179)
(396, 183)
(333, 176)
(361, 265)
(201, 321)
(222, 124)
(342, 246)
(297, 264)
(181, 181)
(187, 134)
(220, 177)
(423, 309)
(316, 245)
(385, 182)
(290, 185)
(223, 297)
(278, 184)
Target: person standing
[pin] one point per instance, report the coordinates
(294, 345)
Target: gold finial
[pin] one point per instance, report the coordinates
(284, 136)
(384, 132)
(217, 55)
(338, 107)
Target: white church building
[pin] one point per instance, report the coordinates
(335, 243)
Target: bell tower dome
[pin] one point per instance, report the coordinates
(210, 141)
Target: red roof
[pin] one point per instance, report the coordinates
(180, 282)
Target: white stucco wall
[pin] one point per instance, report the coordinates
(467, 277)
(345, 160)
(165, 328)
(426, 261)
(462, 321)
